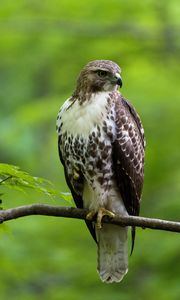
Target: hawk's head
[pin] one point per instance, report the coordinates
(99, 76)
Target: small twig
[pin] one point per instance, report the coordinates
(72, 212)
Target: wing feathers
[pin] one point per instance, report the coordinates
(128, 157)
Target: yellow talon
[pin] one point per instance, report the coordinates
(75, 175)
(91, 215)
(100, 214)
(75, 172)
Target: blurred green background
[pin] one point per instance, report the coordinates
(43, 46)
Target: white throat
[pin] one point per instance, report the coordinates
(82, 118)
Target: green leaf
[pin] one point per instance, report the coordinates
(66, 196)
(12, 177)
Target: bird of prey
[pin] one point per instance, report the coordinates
(101, 146)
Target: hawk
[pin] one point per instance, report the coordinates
(101, 146)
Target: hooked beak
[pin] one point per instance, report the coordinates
(118, 79)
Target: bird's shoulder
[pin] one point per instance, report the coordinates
(66, 105)
(127, 116)
(136, 118)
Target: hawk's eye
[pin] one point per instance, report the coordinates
(101, 73)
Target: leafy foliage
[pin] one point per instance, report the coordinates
(12, 177)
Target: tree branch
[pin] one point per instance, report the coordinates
(72, 212)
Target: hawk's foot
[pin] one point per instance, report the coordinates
(76, 172)
(91, 215)
(75, 175)
(101, 213)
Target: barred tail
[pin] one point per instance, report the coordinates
(112, 252)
